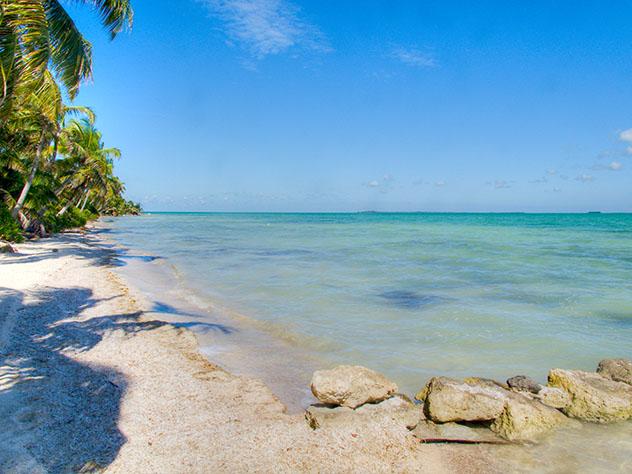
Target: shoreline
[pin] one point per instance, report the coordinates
(238, 343)
(89, 382)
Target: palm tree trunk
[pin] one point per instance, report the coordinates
(70, 201)
(29, 182)
(65, 208)
(85, 200)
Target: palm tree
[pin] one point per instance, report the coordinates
(38, 34)
(41, 113)
(87, 169)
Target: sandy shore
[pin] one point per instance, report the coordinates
(88, 382)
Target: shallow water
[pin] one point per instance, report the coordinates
(410, 295)
(414, 295)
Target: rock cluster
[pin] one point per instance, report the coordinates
(354, 396)
(474, 409)
(513, 415)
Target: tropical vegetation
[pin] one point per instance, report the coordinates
(55, 170)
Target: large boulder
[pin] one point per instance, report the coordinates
(515, 416)
(351, 386)
(524, 419)
(619, 370)
(593, 397)
(446, 400)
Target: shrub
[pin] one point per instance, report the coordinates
(73, 217)
(9, 228)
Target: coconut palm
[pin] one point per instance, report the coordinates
(87, 170)
(40, 114)
(38, 34)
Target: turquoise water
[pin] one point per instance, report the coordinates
(413, 295)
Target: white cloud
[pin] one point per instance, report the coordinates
(615, 166)
(551, 172)
(414, 57)
(440, 184)
(584, 178)
(384, 185)
(266, 27)
(626, 135)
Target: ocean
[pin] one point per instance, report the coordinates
(412, 294)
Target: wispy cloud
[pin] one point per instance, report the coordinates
(440, 184)
(585, 178)
(414, 57)
(626, 136)
(615, 166)
(383, 185)
(500, 184)
(266, 27)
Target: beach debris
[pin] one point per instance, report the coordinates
(6, 247)
(351, 386)
(525, 419)
(522, 383)
(448, 400)
(554, 397)
(593, 397)
(397, 409)
(619, 370)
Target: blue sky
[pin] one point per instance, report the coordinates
(278, 105)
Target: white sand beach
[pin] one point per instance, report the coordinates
(89, 383)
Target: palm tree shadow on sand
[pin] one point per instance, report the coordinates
(56, 413)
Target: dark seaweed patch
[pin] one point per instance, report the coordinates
(409, 299)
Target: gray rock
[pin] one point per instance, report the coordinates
(593, 397)
(522, 383)
(351, 386)
(619, 370)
